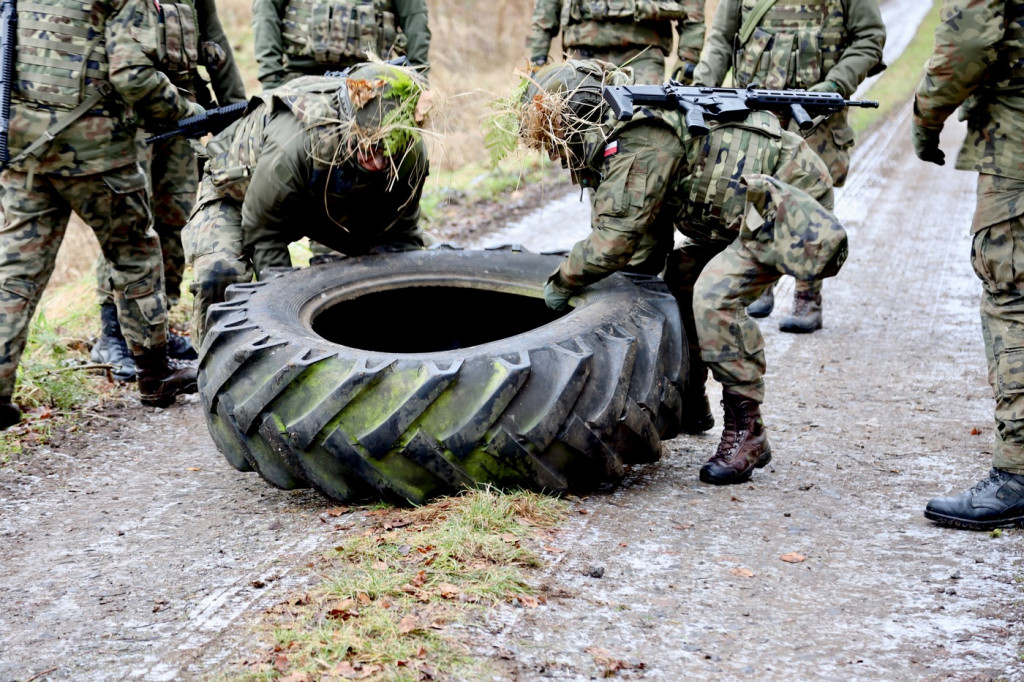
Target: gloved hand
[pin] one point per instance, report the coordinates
(684, 73)
(824, 86)
(555, 297)
(926, 144)
(197, 110)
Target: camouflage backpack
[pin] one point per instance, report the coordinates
(340, 31)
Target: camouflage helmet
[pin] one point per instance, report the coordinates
(382, 103)
(563, 102)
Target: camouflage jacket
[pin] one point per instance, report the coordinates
(623, 25)
(280, 54)
(821, 46)
(119, 62)
(649, 176)
(977, 63)
(280, 163)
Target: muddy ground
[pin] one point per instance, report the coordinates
(131, 550)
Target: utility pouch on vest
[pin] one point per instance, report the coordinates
(658, 10)
(179, 36)
(748, 57)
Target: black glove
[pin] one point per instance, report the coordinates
(926, 144)
(555, 297)
(684, 73)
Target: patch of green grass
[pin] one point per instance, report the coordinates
(899, 82)
(394, 589)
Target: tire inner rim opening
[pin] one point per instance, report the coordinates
(427, 319)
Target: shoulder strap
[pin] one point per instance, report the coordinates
(753, 19)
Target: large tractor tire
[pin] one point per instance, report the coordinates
(417, 374)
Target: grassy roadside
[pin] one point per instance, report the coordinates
(392, 592)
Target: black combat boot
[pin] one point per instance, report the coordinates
(995, 501)
(764, 305)
(10, 414)
(806, 316)
(744, 445)
(697, 417)
(179, 347)
(162, 378)
(110, 348)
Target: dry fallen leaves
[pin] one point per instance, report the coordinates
(361, 90)
(793, 558)
(742, 572)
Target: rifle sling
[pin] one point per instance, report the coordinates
(753, 19)
(62, 123)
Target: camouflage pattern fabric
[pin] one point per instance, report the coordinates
(594, 30)
(648, 63)
(635, 207)
(977, 65)
(997, 255)
(174, 178)
(285, 50)
(37, 208)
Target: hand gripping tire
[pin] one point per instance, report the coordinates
(416, 374)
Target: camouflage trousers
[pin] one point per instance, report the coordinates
(213, 245)
(648, 64)
(174, 178)
(997, 255)
(36, 213)
(714, 283)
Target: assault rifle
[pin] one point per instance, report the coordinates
(216, 120)
(726, 104)
(8, 35)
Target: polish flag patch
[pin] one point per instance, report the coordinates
(611, 149)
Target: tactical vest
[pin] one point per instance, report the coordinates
(339, 31)
(795, 44)
(314, 101)
(177, 29)
(1009, 70)
(577, 11)
(62, 54)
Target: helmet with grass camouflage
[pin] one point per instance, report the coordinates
(383, 103)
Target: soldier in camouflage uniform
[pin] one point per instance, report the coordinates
(79, 69)
(826, 45)
(760, 211)
(187, 36)
(334, 159)
(300, 37)
(637, 33)
(978, 65)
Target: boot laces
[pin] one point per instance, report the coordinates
(733, 433)
(995, 478)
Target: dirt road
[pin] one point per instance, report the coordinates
(131, 550)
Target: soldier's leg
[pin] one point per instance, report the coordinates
(681, 272)
(733, 348)
(115, 204)
(35, 218)
(806, 315)
(997, 255)
(110, 348)
(213, 247)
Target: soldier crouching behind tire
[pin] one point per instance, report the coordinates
(339, 160)
(758, 212)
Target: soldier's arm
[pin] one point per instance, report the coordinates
(544, 26)
(225, 77)
(635, 182)
(864, 52)
(413, 20)
(131, 45)
(965, 41)
(277, 198)
(716, 60)
(691, 33)
(267, 41)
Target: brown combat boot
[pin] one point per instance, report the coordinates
(744, 445)
(806, 317)
(161, 379)
(10, 414)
